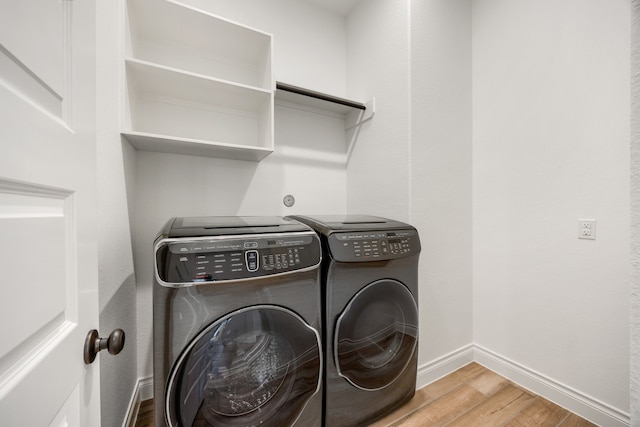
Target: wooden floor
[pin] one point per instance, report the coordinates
(145, 414)
(475, 396)
(471, 396)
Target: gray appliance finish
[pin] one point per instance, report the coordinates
(237, 323)
(370, 303)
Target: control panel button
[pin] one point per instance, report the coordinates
(251, 260)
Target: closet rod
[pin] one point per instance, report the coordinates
(320, 95)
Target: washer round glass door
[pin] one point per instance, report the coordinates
(376, 335)
(256, 366)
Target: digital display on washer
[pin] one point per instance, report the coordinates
(188, 261)
(373, 245)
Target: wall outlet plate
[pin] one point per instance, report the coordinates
(587, 229)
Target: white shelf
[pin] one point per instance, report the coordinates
(170, 82)
(196, 83)
(194, 147)
(190, 39)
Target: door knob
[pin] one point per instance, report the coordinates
(114, 344)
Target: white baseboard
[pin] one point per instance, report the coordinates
(146, 388)
(579, 403)
(142, 391)
(134, 407)
(444, 365)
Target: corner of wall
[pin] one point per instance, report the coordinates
(565, 396)
(635, 213)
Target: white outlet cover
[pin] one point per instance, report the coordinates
(587, 229)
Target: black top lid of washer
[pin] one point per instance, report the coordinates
(229, 225)
(327, 224)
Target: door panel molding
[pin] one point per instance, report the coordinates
(38, 220)
(35, 54)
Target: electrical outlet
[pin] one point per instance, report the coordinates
(587, 229)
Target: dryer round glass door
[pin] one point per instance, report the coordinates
(256, 366)
(376, 335)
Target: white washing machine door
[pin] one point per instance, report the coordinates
(376, 335)
(256, 366)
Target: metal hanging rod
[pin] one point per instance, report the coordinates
(319, 95)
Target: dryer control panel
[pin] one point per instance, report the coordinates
(188, 261)
(366, 246)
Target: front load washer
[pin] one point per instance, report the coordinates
(237, 323)
(370, 301)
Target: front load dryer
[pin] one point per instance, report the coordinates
(237, 323)
(370, 298)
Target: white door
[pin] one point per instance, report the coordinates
(48, 243)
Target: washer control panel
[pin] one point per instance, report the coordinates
(365, 246)
(211, 260)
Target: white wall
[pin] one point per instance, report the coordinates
(441, 172)
(378, 66)
(551, 145)
(117, 285)
(635, 213)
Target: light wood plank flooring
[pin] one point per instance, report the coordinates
(471, 396)
(475, 396)
(145, 414)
